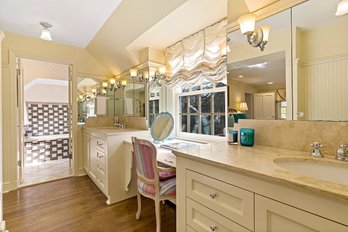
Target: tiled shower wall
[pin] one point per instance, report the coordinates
(47, 119)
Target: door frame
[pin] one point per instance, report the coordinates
(20, 116)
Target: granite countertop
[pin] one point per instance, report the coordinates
(258, 161)
(107, 131)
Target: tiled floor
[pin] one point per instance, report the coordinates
(46, 171)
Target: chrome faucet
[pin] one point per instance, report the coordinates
(341, 153)
(316, 150)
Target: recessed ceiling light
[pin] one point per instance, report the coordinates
(240, 76)
(260, 65)
(270, 83)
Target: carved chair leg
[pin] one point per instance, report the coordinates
(137, 216)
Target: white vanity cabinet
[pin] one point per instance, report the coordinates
(108, 162)
(213, 198)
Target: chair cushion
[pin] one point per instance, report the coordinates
(167, 187)
(166, 175)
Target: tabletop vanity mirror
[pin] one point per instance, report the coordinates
(162, 127)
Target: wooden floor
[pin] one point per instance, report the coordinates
(76, 204)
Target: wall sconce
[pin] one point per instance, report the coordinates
(256, 36)
(342, 8)
(243, 107)
(149, 75)
(113, 85)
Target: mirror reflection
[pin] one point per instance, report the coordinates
(321, 62)
(260, 81)
(98, 97)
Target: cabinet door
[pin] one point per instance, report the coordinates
(273, 216)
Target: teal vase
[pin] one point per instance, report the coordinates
(247, 137)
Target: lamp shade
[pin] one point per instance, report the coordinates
(265, 30)
(162, 70)
(342, 8)
(133, 72)
(46, 35)
(247, 23)
(243, 106)
(112, 81)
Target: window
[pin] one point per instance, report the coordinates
(153, 107)
(202, 109)
(283, 110)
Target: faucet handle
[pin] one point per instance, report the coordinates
(316, 145)
(341, 153)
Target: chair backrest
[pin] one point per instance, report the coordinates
(145, 156)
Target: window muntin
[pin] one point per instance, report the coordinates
(202, 110)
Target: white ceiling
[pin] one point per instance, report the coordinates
(75, 22)
(190, 17)
(274, 70)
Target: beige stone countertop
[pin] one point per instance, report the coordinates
(108, 131)
(258, 161)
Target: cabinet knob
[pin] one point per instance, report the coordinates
(212, 195)
(213, 227)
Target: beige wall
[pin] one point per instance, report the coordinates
(21, 46)
(237, 92)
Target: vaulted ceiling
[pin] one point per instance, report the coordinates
(116, 31)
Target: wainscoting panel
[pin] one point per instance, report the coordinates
(325, 88)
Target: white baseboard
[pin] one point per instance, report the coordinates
(3, 227)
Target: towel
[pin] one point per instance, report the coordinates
(101, 105)
(128, 106)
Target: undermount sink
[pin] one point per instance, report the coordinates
(321, 170)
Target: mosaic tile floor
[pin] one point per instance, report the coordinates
(46, 171)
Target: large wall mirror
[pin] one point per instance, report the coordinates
(320, 51)
(302, 74)
(93, 100)
(260, 81)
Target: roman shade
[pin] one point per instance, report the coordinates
(199, 57)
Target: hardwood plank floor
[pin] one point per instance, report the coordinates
(76, 204)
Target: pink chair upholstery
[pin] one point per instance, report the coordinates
(154, 181)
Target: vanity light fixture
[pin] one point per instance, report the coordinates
(270, 82)
(342, 8)
(46, 34)
(153, 74)
(256, 36)
(240, 76)
(112, 85)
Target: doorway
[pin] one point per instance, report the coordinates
(44, 121)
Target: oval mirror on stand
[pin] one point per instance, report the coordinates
(162, 127)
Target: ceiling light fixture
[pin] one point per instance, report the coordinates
(342, 8)
(46, 34)
(256, 36)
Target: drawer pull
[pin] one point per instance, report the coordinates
(99, 144)
(99, 155)
(212, 195)
(213, 227)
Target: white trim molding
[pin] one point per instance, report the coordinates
(2, 36)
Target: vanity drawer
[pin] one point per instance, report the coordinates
(234, 203)
(100, 157)
(203, 219)
(100, 144)
(101, 170)
(100, 181)
(189, 229)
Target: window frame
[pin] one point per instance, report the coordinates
(198, 135)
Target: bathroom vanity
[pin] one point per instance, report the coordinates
(233, 188)
(107, 160)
